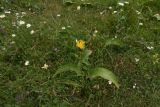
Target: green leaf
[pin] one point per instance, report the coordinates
(68, 67)
(113, 42)
(85, 56)
(104, 73)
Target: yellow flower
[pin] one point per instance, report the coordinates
(80, 44)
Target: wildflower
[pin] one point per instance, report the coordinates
(141, 24)
(101, 13)
(7, 12)
(134, 86)
(26, 63)
(32, 32)
(114, 12)
(21, 22)
(58, 15)
(121, 4)
(78, 7)
(150, 47)
(110, 7)
(45, 66)
(80, 44)
(96, 31)
(13, 35)
(63, 28)
(13, 42)
(28, 25)
(110, 82)
(2, 16)
(23, 13)
(126, 2)
(138, 12)
(136, 59)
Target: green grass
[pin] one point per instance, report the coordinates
(31, 85)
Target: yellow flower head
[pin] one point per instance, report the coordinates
(80, 44)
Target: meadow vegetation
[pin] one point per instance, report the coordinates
(39, 37)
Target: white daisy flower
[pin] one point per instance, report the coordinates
(13, 35)
(26, 63)
(126, 2)
(23, 13)
(138, 12)
(114, 12)
(28, 25)
(32, 32)
(13, 42)
(58, 15)
(63, 28)
(121, 4)
(21, 22)
(45, 66)
(141, 24)
(2, 16)
(7, 12)
(110, 7)
(136, 59)
(110, 82)
(150, 47)
(96, 31)
(78, 7)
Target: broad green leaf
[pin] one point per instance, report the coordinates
(114, 42)
(85, 56)
(68, 67)
(104, 73)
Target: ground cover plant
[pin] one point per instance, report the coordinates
(50, 51)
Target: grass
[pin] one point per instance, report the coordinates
(135, 63)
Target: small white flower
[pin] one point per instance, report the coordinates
(69, 26)
(101, 13)
(110, 82)
(13, 35)
(21, 22)
(17, 14)
(13, 42)
(121, 4)
(32, 32)
(126, 2)
(141, 24)
(134, 86)
(110, 7)
(138, 12)
(58, 15)
(2, 16)
(26, 63)
(136, 59)
(28, 25)
(115, 36)
(150, 47)
(63, 28)
(23, 13)
(7, 12)
(114, 12)
(96, 31)
(45, 66)
(78, 7)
